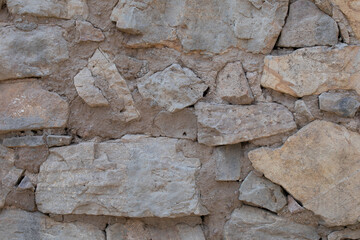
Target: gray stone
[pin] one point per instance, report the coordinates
(308, 26)
(31, 54)
(85, 86)
(228, 162)
(190, 233)
(232, 85)
(261, 192)
(174, 88)
(302, 113)
(26, 184)
(58, 140)
(18, 224)
(27, 141)
(253, 223)
(136, 176)
(210, 26)
(66, 9)
(344, 234)
(30, 158)
(342, 104)
(26, 106)
(319, 166)
(85, 31)
(229, 124)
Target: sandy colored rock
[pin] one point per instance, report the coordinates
(26, 141)
(85, 86)
(228, 124)
(136, 176)
(232, 85)
(318, 166)
(58, 140)
(351, 9)
(344, 234)
(228, 162)
(18, 224)
(210, 26)
(174, 88)
(253, 223)
(101, 66)
(308, 26)
(342, 104)
(310, 71)
(87, 32)
(25, 105)
(66, 9)
(31, 54)
(259, 191)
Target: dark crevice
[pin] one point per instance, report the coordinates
(206, 92)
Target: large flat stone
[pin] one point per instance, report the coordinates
(310, 71)
(136, 176)
(229, 124)
(319, 166)
(26, 106)
(31, 54)
(18, 224)
(342, 104)
(351, 9)
(253, 223)
(211, 26)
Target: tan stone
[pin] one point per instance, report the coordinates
(351, 9)
(87, 32)
(319, 166)
(229, 124)
(314, 70)
(344, 234)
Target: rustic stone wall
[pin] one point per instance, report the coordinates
(179, 119)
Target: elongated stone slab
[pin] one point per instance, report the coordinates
(319, 166)
(229, 124)
(26, 106)
(310, 71)
(136, 176)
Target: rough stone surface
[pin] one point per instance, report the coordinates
(101, 66)
(351, 9)
(114, 178)
(293, 205)
(318, 166)
(302, 113)
(27, 141)
(174, 88)
(225, 124)
(344, 234)
(308, 26)
(314, 70)
(21, 198)
(342, 104)
(66, 9)
(31, 54)
(58, 140)
(232, 85)
(85, 87)
(261, 192)
(18, 224)
(87, 32)
(25, 105)
(252, 223)
(30, 158)
(210, 26)
(228, 162)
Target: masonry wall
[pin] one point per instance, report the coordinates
(179, 119)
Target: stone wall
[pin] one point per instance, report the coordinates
(179, 119)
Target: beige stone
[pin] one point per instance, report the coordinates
(319, 166)
(314, 70)
(229, 124)
(232, 85)
(351, 9)
(87, 32)
(26, 106)
(136, 176)
(344, 234)
(228, 162)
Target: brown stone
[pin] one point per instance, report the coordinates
(23, 199)
(87, 32)
(31, 158)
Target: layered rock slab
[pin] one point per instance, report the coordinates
(26, 106)
(229, 124)
(310, 71)
(319, 166)
(31, 54)
(253, 223)
(17, 224)
(136, 176)
(351, 9)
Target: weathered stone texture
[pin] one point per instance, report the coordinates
(319, 166)
(26, 106)
(58, 140)
(228, 162)
(342, 104)
(31, 54)
(85, 31)
(344, 234)
(253, 223)
(228, 124)
(136, 176)
(27, 141)
(174, 88)
(18, 224)
(351, 9)
(308, 26)
(30, 158)
(302, 113)
(210, 26)
(314, 70)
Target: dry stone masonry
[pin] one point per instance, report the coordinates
(179, 119)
